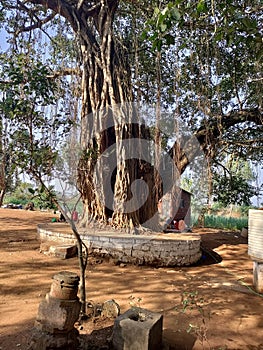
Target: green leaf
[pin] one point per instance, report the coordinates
(153, 37)
(175, 14)
(219, 35)
(163, 27)
(259, 55)
(31, 190)
(144, 35)
(156, 11)
(159, 44)
(169, 39)
(201, 7)
(164, 11)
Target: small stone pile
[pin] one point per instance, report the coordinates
(57, 314)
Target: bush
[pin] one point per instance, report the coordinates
(13, 200)
(24, 194)
(222, 222)
(20, 195)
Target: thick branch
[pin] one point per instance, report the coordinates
(67, 9)
(38, 24)
(64, 72)
(77, 13)
(5, 82)
(214, 128)
(209, 133)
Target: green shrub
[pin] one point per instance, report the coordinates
(13, 200)
(223, 222)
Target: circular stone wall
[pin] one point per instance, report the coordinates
(170, 249)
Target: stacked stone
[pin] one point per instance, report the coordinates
(179, 249)
(161, 250)
(57, 314)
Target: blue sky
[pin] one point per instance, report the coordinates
(3, 43)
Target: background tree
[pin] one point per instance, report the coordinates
(234, 183)
(7, 169)
(34, 132)
(26, 91)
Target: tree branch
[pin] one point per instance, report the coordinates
(64, 72)
(37, 25)
(217, 125)
(77, 17)
(209, 133)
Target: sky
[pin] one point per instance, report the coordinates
(3, 43)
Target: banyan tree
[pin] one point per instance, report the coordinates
(170, 54)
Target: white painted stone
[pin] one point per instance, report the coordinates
(258, 276)
(159, 250)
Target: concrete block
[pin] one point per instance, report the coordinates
(244, 232)
(138, 254)
(63, 251)
(56, 315)
(258, 276)
(145, 247)
(110, 309)
(138, 329)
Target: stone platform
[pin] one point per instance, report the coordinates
(163, 249)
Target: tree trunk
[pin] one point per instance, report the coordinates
(2, 196)
(111, 136)
(2, 167)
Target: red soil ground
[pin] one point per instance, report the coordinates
(223, 310)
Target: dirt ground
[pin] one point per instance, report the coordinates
(208, 306)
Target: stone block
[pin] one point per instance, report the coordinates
(94, 238)
(44, 247)
(137, 329)
(124, 258)
(145, 247)
(104, 239)
(124, 251)
(110, 309)
(63, 251)
(65, 285)
(138, 254)
(139, 241)
(56, 315)
(244, 232)
(258, 276)
(164, 254)
(121, 245)
(45, 341)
